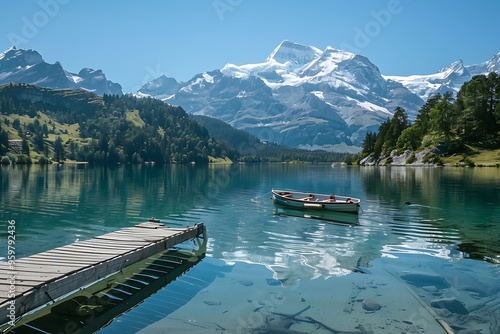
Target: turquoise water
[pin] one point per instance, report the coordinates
(425, 240)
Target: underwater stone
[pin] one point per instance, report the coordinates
(273, 282)
(246, 282)
(212, 302)
(430, 288)
(371, 305)
(422, 279)
(451, 304)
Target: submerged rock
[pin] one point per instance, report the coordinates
(451, 304)
(212, 302)
(423, 279)
(273, 282)
(246, 282)
(371, 305)
(430, 289)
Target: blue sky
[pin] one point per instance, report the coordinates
(134, 42)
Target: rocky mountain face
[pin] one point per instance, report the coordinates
(28, 66)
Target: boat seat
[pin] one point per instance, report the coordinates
(331, 199)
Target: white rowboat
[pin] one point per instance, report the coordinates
(303, 200)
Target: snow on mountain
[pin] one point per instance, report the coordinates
(448, 79)
(299, 96)
(161, 87)
(28, 66)
(294, 53)
(492, 65)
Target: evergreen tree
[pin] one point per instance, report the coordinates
(410, 138)
(398, 123)
(25, 147)
(443, 116)
(423, 117)
(478, 110)
(4, 141)
(369, 142)
(382, 136)
(59, 149)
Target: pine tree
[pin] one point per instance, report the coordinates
(25, 147)
(59, 149)
(443, 116)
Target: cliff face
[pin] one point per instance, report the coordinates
(67, 98)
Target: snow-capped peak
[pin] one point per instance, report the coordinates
(492, 65)
(23, 57)
(296, 53)
(455, 67)
(28, 66)
(2, 55)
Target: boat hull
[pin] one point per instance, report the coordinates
(306, 201)
(332, 217)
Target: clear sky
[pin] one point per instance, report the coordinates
(136, 41)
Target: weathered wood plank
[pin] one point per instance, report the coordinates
(19, 289)
(66, 256)
(122, 238)
(61, 251)
(94, 250)
(69, 261)
(146, 231)
(107, 244)
(34, 268)
(50, 262)
(150, 224)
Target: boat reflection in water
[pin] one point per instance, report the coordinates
(341, 218)
(97, 305)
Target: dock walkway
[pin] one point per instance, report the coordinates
(44, 277)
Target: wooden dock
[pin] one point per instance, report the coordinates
(44, 277)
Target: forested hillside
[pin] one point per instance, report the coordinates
(252, 149)
(78, 125)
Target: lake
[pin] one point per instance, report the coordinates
(423, 254)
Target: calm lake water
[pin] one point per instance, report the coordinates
(424, 250)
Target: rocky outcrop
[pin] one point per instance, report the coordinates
(395, 158)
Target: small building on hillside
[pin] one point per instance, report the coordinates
(16, 146)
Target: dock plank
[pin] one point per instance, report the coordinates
(31, 267)
(82, 250)
(109, 244)
(64, 259)
(65, 255)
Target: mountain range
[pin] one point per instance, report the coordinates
(28, 66)
(299, 96)
(305, 97)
